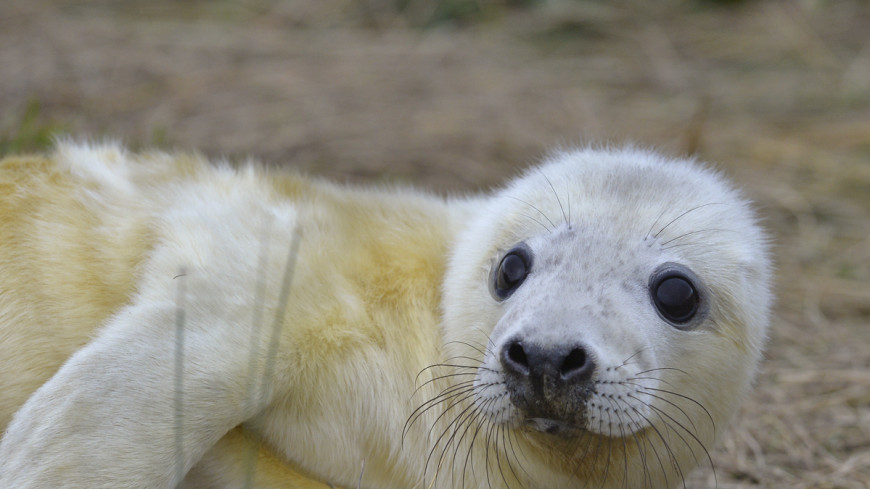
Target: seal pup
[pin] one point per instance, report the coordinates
(595, 323)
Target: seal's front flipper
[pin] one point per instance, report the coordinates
(162, 382)
(120, 413)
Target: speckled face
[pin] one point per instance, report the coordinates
(574, 347)
(614, 305)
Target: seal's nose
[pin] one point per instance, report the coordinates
(569, 364)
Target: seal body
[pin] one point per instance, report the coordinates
(162, 319)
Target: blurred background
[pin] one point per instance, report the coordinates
(458, 95)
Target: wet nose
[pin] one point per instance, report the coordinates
(570, 364)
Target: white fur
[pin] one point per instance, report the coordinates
(340, 385)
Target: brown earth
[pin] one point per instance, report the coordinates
(458, 95)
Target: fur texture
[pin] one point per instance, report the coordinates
(163, 318)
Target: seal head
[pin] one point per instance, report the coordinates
(612, 307)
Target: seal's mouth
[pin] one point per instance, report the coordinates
(552, 426)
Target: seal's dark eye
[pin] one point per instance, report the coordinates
(511, 272)
(675, 296)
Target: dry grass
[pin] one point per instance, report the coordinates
(776, 92)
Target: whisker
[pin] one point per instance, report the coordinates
(677, 394)
(479, 348)
(471, 420)
(447, 394)
(511, 437)
(673, 369)
(687, 431)
(480, 421)
(661, 215)
(489, 343)
(436, 365)
(697, 231)
(568, 196)
(487, 455)
(680, 409)
(616, 410)
(660, 231)
(470, 453)
(652, 446)
(443, 433)
(539, 211)
(558, 200)
(671, 456)
(627, 360)
(647, 476)
(440, 377)
(454, 426)
(499, 430)
(536, 222)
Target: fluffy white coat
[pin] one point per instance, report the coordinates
(163, 319)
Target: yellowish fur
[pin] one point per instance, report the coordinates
(163, 318)
(71, 259)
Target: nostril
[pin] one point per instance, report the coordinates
(577, 365)
(573, 361)
(514, 358)
(518, 354)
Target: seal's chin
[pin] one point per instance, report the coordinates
(552, 427)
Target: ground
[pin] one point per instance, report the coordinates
(457, 95)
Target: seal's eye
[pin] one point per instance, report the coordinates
(674, 295)
(511, 272)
